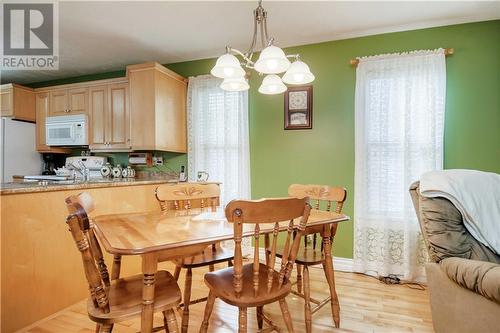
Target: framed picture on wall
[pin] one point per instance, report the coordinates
(298, 108)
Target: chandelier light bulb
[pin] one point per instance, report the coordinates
(272, 85)
(272, 60)
(235, 84)
(298, 73)
(298, 77)
(228, 71)
(227, 66)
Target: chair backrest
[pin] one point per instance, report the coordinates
(257, 212)
(82, 231)
(318, 194)
(187, 196)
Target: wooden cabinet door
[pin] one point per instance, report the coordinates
(24, 104)
(119, 117)
(6, 102)
(58, 103)
(98, 116)
(42, 108)
(42, 104)
(78, 100)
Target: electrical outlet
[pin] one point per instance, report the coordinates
(157, 160)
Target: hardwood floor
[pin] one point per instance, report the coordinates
(366, 306)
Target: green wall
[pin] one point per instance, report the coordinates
(325, 154)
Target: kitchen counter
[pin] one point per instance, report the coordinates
(38, 186)
(38, 252)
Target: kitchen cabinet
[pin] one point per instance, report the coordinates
(109, 128)
(42, 103)
(68, 101)
(157, 108)
(144, 111)
(17, 102)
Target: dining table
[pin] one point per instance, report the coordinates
(174, 234)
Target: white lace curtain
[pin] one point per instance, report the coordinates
(399, 124)
(218, 141)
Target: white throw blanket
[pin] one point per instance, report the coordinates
(476, 194)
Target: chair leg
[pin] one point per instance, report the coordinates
(177, 272)
(260, 318)
(97, 328)
(208, 311)
(286, 315)
(299, 279)
(242, 320)
(187, 299)
(334, 300)
(105, 328)
(307, 298)
(170, 321)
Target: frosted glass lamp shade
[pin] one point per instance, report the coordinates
(235, 84)
(272, 85)
(298, 73)
(227, 66)
(272, 60)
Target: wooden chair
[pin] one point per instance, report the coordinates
(120, 299)
(310, 253)
(185, 197)
(258, 284)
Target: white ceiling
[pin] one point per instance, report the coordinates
(97, 37)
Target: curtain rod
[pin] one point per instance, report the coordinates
(447, 52)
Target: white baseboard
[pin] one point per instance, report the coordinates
(342, 264)
(339, 263)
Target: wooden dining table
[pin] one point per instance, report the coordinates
(174, 234)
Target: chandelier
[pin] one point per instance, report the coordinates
(272, 61)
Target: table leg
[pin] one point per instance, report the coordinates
(149, 269)
(330, 275)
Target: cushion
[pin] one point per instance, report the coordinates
(478, 276)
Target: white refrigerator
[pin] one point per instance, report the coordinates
(18, 151)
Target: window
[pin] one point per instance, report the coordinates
(218, 140)
(400, 103)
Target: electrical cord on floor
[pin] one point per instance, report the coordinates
(394, 279)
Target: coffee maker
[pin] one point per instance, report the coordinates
(52, 162)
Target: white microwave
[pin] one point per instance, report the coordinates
(66, 130)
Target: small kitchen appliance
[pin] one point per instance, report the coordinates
(66, 130)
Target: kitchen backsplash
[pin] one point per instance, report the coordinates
(172, 162)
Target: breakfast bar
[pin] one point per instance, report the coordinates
(41, 271)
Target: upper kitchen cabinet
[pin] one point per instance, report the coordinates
(68, 101)
(17, 102)
(109, 117)
(158, 108)
(42, 103)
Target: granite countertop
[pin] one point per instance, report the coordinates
(38, 186)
